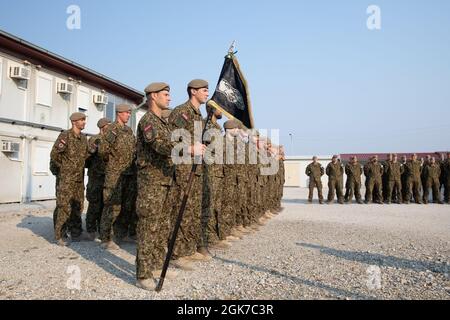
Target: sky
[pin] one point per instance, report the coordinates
(315, 71)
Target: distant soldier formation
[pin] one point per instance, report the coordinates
(405, 181)
(135, 188)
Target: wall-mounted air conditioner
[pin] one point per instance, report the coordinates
(101, 99)
(9, 146)
(20, 73)
(64, 87)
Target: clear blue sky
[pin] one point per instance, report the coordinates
(313, 67)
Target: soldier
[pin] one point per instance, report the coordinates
(188, 116)
(446, 167)
(118, 150)
(413, 171)
(96, 174)
(373, 172)
(353, 171)
(394, 173)
(403, 179)
(385, 178)
(432, 173)
(68, 157)
(315, 171)
(155, 181)
(423, 178)
(335, 173)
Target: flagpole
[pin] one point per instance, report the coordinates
(173, 238)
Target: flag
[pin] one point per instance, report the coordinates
(231, 95)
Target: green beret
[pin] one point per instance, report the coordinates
(157, 87)
(103, 122)
(231, 124)
(198, 84)
(123, 107)
(77, 116)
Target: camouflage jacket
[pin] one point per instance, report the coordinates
(154, 148)
(94, 163)
(68, 156)
(373, 170)
(118, 149)
(211, 166)
(353, 171)
(394, 171)
(413, 169)
(315, 170)
(432, 172)
(186, 116)
(335, 170)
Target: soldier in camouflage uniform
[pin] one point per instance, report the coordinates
(413, 170)
(404, 190)
(373, 172)
(423, 178)
(155, 192)
(446, 168)
(96, 174)
(353, 171)
(335, 176)
(118, 151)
(394, 173)
(315, 171)
(432, 174)
(68, 157)
(385, 178)
(188, 116)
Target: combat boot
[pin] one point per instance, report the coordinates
(170, 274)
(109, 245)
(62, 243)
(183, 264)
(221, 245)
(203, 251)
(232, 238)
(91, 236)
(146, 284)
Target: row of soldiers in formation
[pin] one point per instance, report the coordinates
(399, 181)
(135, 190)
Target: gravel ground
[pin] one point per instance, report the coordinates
(307, 252)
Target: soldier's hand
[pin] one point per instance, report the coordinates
(198, 149)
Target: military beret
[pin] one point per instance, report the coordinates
(157, 87)
(123, 107)
(77, 116)
(103, 122)
(197, 84)
(166, 113)
(334, 157)
(231, 124)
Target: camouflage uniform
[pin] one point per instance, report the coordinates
(404, 182)
(335, 176)
(242, 216)
(118, 150)
(190, 235)
(353, 184)
(394, 182)
(229, 205)
(315, 173)
(373, 173)
(413, 172)
(432, 173)
(94, 192)
(68, 157)
(155, 193)
(446, 176)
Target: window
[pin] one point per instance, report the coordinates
(40, 160)
(83, 110)
(110, 112)
(1, 75)
(44, 89)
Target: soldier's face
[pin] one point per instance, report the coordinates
(80, 124)
(414, 157)
(394, 159)
(201, 95)
(162, 99)
(124, 116)
(315, 160)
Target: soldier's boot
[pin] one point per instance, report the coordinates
(235, 233)
(204, 252)
(242, 230)
(309, 201)
(359, 201)
(183, 264)
(81, 237)
(232, 238)
(109, 245)
(320, 201)
(126, 239)
(341, 201)
(62, 243)
(146, 284)
(255, 227)
(92, 236)
(170, 274)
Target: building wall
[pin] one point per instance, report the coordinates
(295, 170)
(26, 174)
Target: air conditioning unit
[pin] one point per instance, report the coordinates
(20, 73)
(100, 99)
(9, 146)
(64, 87)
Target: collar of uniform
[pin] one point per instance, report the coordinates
(71, 132)
(151, 111)
(197, 111)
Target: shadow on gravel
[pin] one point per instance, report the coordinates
(90, 251)
(297, 201)
(316, 284)
(379, 259)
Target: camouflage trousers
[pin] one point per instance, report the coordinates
(242, 212)
(154, 204)
(315, 183)
(335, 186)
(119, 196)
(394, 190)
(94, 194)
(374, 190)
(69, 206)
(229, 209)
(353, 187)
(212, 209)
(446, 189)
(435, 185)
(189, 236)
(413, 188)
